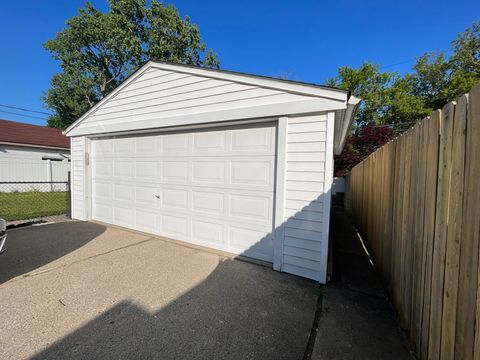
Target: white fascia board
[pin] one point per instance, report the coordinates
(292, 87)
(353, 104)
(309, 106)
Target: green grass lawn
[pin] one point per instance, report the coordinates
(33, 204)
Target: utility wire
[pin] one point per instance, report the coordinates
(24, 115)
(24, 109)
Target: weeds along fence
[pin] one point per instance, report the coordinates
(416, 203)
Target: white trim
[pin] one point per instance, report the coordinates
(310, 106)
(329, 95)
(279, 209)
(87, 184)
(353, 104)
(185, 127)
(328, 177)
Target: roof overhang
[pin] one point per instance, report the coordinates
(343, 122)
(34, 146)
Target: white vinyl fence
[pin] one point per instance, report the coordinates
(33, 171)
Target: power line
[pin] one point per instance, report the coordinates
(398, 63)
(24, 115)
(24, 109)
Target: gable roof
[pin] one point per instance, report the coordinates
(16, 133)
(248, 96)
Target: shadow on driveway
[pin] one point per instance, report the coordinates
(29, 248)
(240, 311)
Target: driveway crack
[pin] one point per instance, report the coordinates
(35, 273)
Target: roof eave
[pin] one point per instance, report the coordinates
(353, 103)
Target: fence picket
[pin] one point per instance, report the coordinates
(416, 203)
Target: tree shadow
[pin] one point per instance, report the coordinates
(240, 311)
(31, 247)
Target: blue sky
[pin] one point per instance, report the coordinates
(305, 40)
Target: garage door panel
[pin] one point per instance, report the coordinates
(145, 219)
(253, 139)
(208, 231)
(175, 171)
(254, 208)
(146, 169)
(122, 168)
(123, 215)
(251, 172)
(102, 168)
(209, 202)
(175, 226)
(209, 187)
(122, 192)
(252, 243)
(102, 190)
(209, 141)
(123, 145)
(176, 198)
(209, 172)
(102, 212)
(145, 195)
(175, 144)
(146, 145)
(104, 147)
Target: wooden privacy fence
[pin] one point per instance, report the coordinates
(416, 202)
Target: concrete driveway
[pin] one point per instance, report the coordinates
(78, 290)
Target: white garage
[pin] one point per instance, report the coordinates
(229, 161)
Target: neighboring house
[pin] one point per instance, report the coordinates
(225, 160)
(31, 153)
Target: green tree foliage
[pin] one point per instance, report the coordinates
(97, 51)
(399, 101)
(396, 101)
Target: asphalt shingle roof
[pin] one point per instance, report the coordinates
(26, 134)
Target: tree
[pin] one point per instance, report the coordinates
(370, 84)
(398, 102)
(365, 140)
(97, 51)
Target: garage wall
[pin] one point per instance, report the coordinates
(78, 177)
(307, 204)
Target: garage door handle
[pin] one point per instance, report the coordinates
(157, 196)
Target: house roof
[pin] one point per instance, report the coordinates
(16, 133)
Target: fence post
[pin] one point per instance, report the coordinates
(69, 197)
(49, 173)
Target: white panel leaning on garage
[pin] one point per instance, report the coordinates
(226, 160)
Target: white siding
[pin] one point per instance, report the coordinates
(158, 94)
(157, 98)
(78, 178)
(306, 188)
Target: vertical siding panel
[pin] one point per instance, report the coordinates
(311, 166)
(78, 177)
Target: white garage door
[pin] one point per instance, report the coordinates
(212, 187)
